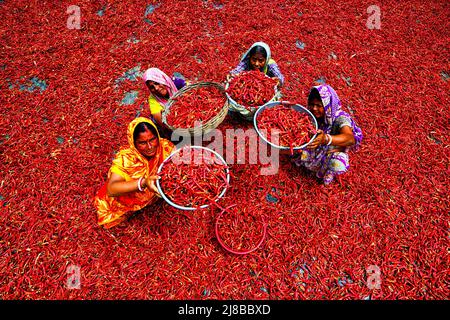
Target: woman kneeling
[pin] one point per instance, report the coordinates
(327, 155)
(131, 179)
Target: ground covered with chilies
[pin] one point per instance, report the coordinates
(67, 96)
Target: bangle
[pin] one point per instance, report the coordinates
(139, 184)
(329, 139)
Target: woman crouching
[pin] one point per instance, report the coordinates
(327, 155)
(131, 179)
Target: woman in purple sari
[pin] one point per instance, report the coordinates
(327, 155)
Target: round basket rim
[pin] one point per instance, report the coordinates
(263, 237)
(275, 104)
(205, 125)
(163, 195)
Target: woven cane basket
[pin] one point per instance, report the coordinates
(205, 127)
(243, 111)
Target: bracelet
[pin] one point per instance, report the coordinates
(139, 184)
(329, 139)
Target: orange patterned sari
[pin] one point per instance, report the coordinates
(130, 165)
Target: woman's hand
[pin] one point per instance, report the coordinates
(230, 76)
(320, 140)
(150, 183)
(278, 80)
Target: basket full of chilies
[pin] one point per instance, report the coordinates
(249, 90)
(285, 126)
(193, 177)
(196, 109)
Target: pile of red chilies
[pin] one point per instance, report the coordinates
(251, 89)
(294, 128)
(198, 104)
(239, 230)
(198, 180)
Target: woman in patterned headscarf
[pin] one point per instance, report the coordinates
(161, 88)
(327, 155)
(258, 57)
(131, 179)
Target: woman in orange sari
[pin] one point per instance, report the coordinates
(131, 179)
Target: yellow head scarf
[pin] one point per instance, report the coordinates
(130, 163)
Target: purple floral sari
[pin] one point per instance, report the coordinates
(328, 164)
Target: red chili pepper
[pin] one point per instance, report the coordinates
(197, 104)
(292, 126)
(251, 89)
(196, 183)
(240, 230)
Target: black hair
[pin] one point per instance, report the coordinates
(258, 49)
(314, 94)
(147, 83)
(142, 127)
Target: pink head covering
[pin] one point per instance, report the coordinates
(156, 75)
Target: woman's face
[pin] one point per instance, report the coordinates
(157, 89)
(316, 108)
(147, 144)
(257, 61)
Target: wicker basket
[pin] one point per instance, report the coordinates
(207, 126)
(296, 107)
(243, 111)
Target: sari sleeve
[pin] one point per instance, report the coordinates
(118, 167)
(343, 121)
(154, 105)
(242, 66)
(274, 71)
(119, 172)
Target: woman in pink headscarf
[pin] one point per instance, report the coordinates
(161, 87)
